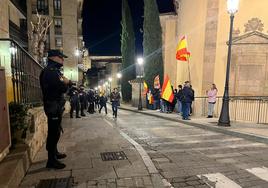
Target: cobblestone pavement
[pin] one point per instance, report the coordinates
(83, 141)
(191, 157)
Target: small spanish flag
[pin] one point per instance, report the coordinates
(157, 82)
(182, 52)
(167, 92)
(145, 88)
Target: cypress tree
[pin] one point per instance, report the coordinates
(152, 43)
(127, 51)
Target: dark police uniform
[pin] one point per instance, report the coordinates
(74, 101)
(53, 88)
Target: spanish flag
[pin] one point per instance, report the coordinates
(167, 92)
(182, 52)
(145, 88)
(157, 82)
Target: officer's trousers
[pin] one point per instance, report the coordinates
(53, 136)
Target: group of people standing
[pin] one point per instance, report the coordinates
(182, 101)
(91, 101)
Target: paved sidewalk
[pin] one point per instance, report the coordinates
(247, 130)
(83, 141)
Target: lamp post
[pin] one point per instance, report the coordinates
(224, 120)
(71, 74)
(110, 82)
(140, 63)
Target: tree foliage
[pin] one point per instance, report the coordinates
(152, 42)
(127, 51)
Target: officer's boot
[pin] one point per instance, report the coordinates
(52, 162)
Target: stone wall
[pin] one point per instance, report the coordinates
(37, 131)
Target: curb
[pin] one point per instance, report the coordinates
(247, 136)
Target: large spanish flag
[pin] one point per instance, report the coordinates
(167, 92)
(182, 52)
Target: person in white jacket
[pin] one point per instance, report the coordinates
(212, 95)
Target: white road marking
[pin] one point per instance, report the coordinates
(261, 172)
(196, 141)
(218, 180)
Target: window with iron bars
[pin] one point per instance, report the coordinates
(58, 42)
(58, 26)
(42, 7)
(57, 7)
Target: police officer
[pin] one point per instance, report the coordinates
(74, 101)
(54, 85)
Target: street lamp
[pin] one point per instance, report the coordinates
(119, 76)
(140, 63)
(77, 53)
(224, 120)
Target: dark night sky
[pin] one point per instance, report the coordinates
(101, 24)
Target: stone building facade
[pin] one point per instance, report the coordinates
(65, 33)
(206, 24)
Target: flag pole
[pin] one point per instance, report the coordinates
(189, 69)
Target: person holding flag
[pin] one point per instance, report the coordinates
(156, 93)
(167, 91)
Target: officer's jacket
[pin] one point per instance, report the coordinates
(52, 84)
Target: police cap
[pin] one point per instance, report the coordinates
(52, 53)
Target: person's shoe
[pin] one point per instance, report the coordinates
(77, 117)
(71, 116)
(83, 115)
(55, 165)
(61, 155)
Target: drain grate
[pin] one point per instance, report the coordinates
(112, 156)
(55, 183)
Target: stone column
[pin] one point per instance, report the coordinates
(210, 44)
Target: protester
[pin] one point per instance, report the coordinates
(212, 95)
(156, 97)
(150, 100)
(191, 108)
(103, 101)
(178, 95)
(187, 98)
(173, 104)
(115, 100)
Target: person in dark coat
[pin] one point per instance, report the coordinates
(156, 96)
(191, 108)
(187, 98)
(91, 100)
(82, 100)
(179, 96)
(97, 101)
(54, 85)
(74, 101)
(103, 101)
(115, 99)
